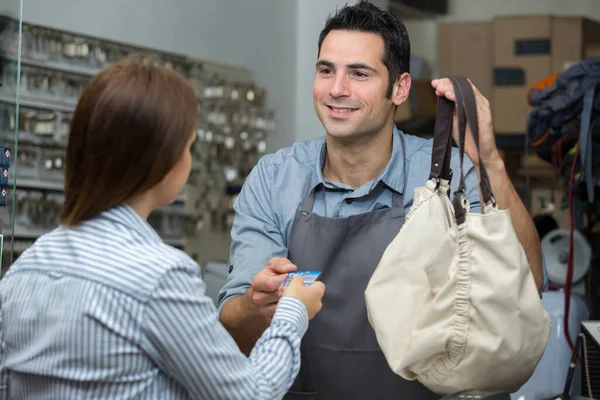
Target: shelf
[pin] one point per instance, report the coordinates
(33, 139)
(175, 242)
(27, 101)
(33, 234)
(55, 186)
(57, 66)
(20, 247)
(40, 185)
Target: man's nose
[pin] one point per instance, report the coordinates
(341, 87)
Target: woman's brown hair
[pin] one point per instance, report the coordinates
(131, 125)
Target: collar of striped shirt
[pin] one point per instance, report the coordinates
(125, 215)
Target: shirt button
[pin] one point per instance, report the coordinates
(55, 274)
(349, 201)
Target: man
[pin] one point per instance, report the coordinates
(335, 203)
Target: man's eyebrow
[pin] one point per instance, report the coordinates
(324, 63)
(357, 65)
(361, 66)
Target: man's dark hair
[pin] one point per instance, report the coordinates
(368, 18)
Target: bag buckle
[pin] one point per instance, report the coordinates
(438, 180)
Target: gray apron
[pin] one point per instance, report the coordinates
(341, 359)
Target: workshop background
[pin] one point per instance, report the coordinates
(252, 64)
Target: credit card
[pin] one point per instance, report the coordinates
(308, 276)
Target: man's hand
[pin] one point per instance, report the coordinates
(487, 142)
(265, 290)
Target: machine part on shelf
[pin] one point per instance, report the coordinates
(61, 134)
(53, 164)
(28, 161)
(39, 122)
(555, 248)
(193, 198)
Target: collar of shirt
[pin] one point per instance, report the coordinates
(390, 175)
(125, 215)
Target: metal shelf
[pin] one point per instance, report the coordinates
(57, 66)
(175, 242)
(53, 186)
(27, 101)
(33, 234)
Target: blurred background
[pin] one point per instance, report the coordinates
(252, 64)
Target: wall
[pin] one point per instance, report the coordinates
(10, 8)
(423, 33)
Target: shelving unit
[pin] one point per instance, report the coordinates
(232, 128)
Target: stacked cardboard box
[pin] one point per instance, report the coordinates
(506, 56)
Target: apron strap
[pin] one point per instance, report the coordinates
(397, 198)
(309, 201)
(397, 204)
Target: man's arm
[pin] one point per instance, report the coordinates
(243, 322)
(255, 239)
(508, 199)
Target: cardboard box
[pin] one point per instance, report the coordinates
(466, 48)
(422, 102)
(592, 50)
(526, 50)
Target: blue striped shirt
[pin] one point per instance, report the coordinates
(106, 310)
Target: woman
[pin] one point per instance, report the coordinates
(101, 308)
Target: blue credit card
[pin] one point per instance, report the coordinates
(308, 276)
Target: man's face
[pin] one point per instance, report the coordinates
(350, 85)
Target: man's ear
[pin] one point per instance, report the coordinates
(401, 89)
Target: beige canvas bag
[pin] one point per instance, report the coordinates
(453, 301)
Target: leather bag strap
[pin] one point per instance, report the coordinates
(442, 141)
(466, 111)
